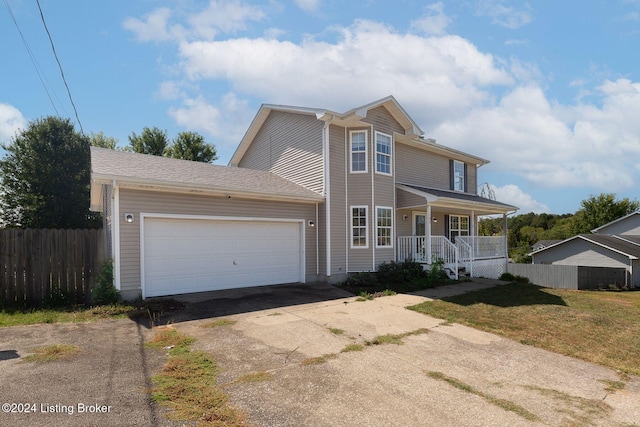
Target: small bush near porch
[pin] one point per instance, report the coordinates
(599, 327)
(406, 276)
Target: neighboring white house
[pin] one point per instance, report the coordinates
(600, 249)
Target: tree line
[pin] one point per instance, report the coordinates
(524, 230)
(46, 171)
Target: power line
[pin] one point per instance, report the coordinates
(34, 61)
(59, 66)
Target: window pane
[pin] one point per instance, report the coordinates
(358, 152)
(383, 226)
(383, 153)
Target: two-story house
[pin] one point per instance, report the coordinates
(310, 194)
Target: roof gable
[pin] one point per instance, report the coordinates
(621, 225)
(612, 243)
(344, 119)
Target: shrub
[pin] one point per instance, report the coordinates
(398, 272)
(521, 279)
(436, 271)
(57, 298)
(507, 277)
(363, 279)
(105, 292)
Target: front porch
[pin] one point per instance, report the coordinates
(476, 256)
(439, 225)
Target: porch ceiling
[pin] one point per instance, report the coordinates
(452, 200)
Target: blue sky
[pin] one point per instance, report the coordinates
(549, 91)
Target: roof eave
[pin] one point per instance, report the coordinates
(129, 182)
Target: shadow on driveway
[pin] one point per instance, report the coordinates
(204, 305)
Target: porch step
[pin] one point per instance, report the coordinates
(462, 272)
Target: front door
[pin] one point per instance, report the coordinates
(419, 230)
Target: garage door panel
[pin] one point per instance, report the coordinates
(193, 255)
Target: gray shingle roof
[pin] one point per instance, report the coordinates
(459, 196)
(162, 171)
(613, 242)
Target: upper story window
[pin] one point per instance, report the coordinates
(458, 176)
(358, 142)
(383, 153)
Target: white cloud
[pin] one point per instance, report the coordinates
(154, 28)
(441, 76)
(503, 15)
(308, 5)
(218, 16)
(226, 123)
(444, 82)
(11, 119)
(513, 195)
(434, 21)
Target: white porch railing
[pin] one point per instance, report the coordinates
(467, 252)
(414, 248)
(484, 247)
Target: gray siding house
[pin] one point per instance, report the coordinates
(309, 195)
(613, 245)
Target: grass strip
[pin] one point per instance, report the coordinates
(52, 353)
(507, 405)
(19, 317)
(187, 384)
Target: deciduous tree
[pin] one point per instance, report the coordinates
(45, 177)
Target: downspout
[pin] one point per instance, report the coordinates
(427, 232)
(371, 221)
(327, 193)
(317, 245)
(115, 222)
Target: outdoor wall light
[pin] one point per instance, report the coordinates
(128, 217)
(405, 217)
(310, 223)
(435, 219)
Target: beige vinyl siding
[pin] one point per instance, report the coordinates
(139, 201)
(383, 121)
(405, 199)
(358, 193)
(384, 194)
(580, 252)
(426, 169)
(289, 145)
(337, 163)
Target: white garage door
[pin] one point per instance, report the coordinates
(196, 255)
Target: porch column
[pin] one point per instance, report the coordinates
(473, 231)
(427, 232)
(506, 241)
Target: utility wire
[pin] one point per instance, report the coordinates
(60, 66)
(34, 61)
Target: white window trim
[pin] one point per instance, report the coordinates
(390, 245)
(456, 163)
(468, 230)
(366, 216)
(366, 152)
(375, 159)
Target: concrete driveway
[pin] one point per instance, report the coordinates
(446, 375)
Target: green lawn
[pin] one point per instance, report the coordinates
(600, 327)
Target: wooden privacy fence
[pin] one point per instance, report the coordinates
(37, 265)
(571, 276)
